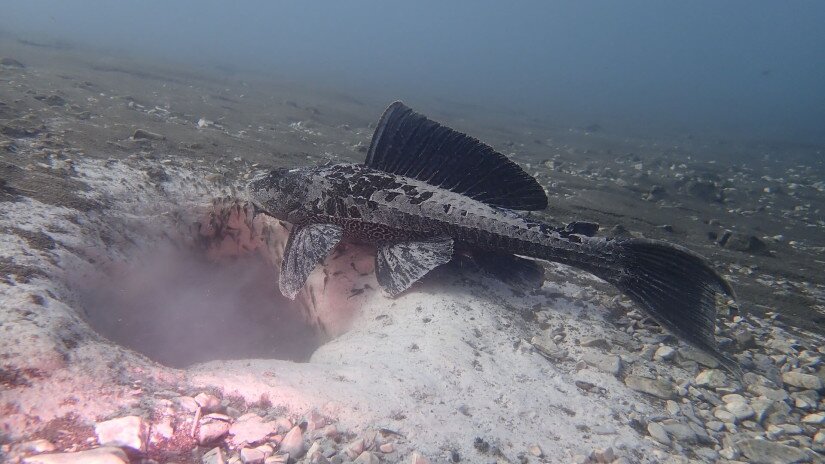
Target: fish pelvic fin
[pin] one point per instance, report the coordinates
(677, 288)
(399, 265)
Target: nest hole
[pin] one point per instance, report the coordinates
(177, 307)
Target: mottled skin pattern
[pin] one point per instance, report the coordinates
(378, 207)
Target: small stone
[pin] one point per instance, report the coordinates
(807, 399)
(595, 342)
(127, 432)
(417, 458)
(141, 134)
(283, 425)
(536, 451)
(283, 458)
(604, 455)
(657, 387)
(658, 433)
(548, 348)
(250, 429)
(715, 426)
(729, 453)
(213, 456)
(711, 378)
(707, 454)
(293, 443)
(209, 403)
(665, 353)
(816, 418)
(682, 433)
(672, 408)
(11, 63)
(355, 448)
(581, 459)
(724, 416)
(766, 452)
(698, 356)
(211, 429)
(105, 455)
(366, 458)
(769, 393)
(610, 364)
(187, 402)
(742, 411)
(386, 448)
(800, 380)
(37, 446)
(252, 456)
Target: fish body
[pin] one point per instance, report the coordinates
(426, 190)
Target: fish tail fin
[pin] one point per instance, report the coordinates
(677, 288)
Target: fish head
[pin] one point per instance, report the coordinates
(278, 192)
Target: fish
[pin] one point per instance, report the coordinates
(426, 192)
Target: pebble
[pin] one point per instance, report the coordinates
(715, 426)
(595, 342)
(209, 403)
(11, 63)
(664, 353)
(252, 456)
(37, 446)
(692, 354)
(105, 455)
(536, 451)
(657, 387)
(128, 432)
(711, 378)
(417, 458)
(250, 429)
(610, 364)
(816, 418)
(672, 408)
(741, 410)
(658, 433)
(807, 399)
(187, 402)
(707, 454)
(801, 380)
(355, 448)
(283, 458)
(766, 452)
(604, 455)
(680, 432)
(141, 134)
(724, 416)
(212, 428)
(293, 443)
(213, 456)
(366, 458)
(386, 448)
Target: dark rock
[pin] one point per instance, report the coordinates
(11, 62)
(742, 242)
(744, 339)
(704, 190)
(141, 134)
(619, 231)
(55, 100)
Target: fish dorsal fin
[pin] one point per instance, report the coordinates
(408, 144)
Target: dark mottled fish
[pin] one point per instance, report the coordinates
(425, 190)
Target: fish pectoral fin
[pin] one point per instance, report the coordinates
(306, 248)
(400, 265)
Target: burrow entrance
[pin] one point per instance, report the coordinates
(177, 306)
